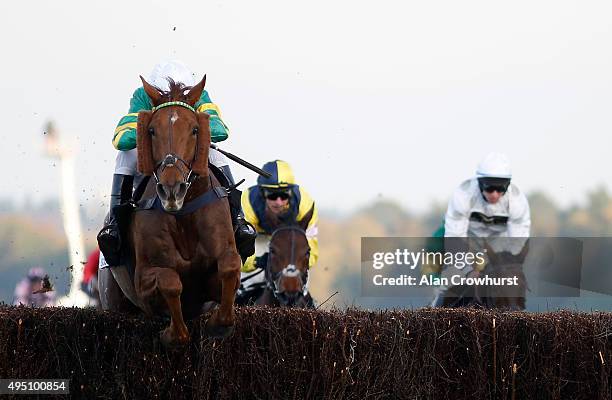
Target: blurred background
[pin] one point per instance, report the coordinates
(382, 110)
(32, 235)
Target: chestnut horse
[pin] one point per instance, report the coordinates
(185, 255)
(286, 272)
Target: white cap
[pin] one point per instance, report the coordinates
(174, 69)
(494, 165)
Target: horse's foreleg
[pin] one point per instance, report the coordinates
(221, 323)
(169, 285)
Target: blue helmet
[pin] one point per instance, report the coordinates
(282, 176)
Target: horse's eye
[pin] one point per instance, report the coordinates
(196, 130)
(151, 131)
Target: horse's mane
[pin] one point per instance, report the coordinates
(176, 91)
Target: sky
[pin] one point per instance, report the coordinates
(391, 99)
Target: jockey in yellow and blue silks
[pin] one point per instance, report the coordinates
(124, 139)
(275, 202)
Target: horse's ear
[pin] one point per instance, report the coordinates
(152, 92)
(194, 94)
(144, 144)
(200, 164)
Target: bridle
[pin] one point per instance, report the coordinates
(171, 159)
(273, 278)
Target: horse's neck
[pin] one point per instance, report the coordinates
(276, 221)
(187, 245)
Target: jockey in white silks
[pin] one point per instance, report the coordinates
(487, 206)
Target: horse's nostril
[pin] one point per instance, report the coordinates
(182, 189)
(292, 295)
(161, 191)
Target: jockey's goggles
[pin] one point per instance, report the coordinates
(491, 185)
(499, 189)
(273, 195)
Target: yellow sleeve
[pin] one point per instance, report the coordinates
(306, 203)
(312, 230)
(249, 212)
(314, 251)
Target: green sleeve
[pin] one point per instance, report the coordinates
(140, 101)
(435, 243)
(218, 130)
(125, 133)
(204, 98)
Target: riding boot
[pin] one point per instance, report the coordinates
(244, 232)
(109, 238)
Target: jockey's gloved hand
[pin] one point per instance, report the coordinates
(481, 263)
(261, 261)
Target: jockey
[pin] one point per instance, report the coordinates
(89, 283)
(489, 206)
(124, 140)
(274, 202)
(24, 291)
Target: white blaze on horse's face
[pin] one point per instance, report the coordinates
(175, 132)
(291, 271)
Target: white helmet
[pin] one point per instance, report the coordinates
(174, 69)
(494, 165)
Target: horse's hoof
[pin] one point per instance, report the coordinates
(218, 331)
(169, 340)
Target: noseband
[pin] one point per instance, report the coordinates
(273, 278)
(171, 159)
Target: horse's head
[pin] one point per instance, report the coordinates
(173, 141)
(287, 269)
(507, 297)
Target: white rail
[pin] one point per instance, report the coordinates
(71, 219)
